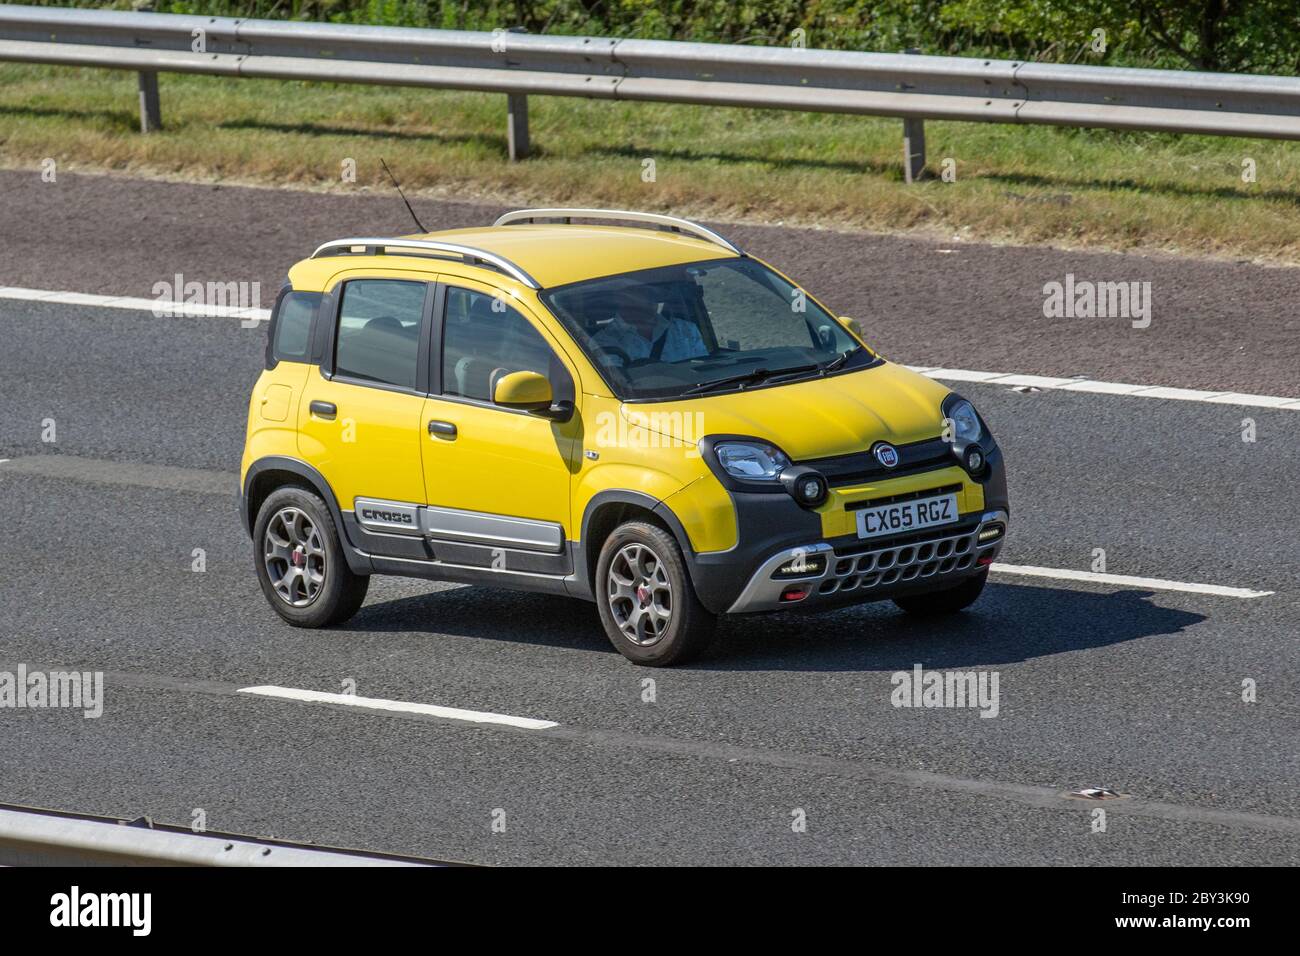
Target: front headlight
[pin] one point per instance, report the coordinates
(964, 422)
(750, 461)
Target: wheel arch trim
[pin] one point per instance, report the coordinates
(358, 562)
(579, 582)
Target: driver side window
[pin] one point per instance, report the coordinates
(485, 339)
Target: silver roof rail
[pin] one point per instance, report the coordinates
(649, 218)
(425, 247)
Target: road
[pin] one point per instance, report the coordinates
(1138, 690)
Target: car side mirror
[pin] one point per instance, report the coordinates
(851, 325)
(528, 391)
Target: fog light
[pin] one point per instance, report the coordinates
(801, 566)
(974, 459)
(990, 533)
(790, 595)
(805, 485)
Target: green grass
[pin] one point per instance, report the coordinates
(1020, 184)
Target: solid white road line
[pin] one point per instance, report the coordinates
(167, 308)
(401, 706)
(1124, 580)
(1011, 380)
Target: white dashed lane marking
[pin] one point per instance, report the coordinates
(1127, 581)
(397, 706)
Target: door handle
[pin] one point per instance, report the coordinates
(324, 409)
(445, 429)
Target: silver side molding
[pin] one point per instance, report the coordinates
(476, 527)
(454, 524)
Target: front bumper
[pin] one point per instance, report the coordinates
(771, 525)
(872, 571)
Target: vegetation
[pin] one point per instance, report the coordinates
(1230, 35)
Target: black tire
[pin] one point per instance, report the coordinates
(325, 588)
(689, 627)
(948, 601)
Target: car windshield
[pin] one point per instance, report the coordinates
(702, 327)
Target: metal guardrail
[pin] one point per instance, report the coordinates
(31, 837)
(913, 87)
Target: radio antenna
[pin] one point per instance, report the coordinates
(402, 194)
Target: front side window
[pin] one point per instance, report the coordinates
(484, 339)
(701, 327)
(379, 331)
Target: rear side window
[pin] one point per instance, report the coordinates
(379, 331)
(292, 326)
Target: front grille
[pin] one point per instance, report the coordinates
(900, 563)
(859, 467)
(909, 496)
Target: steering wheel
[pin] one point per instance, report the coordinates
(617, 353)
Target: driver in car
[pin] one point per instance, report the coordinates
(638, 331)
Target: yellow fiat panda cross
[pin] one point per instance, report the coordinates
(620, 407)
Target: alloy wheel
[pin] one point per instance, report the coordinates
(640, 595)
(294, 554)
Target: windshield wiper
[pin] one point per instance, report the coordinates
(748, 378)
(838, 361)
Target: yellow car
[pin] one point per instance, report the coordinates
(616, 406)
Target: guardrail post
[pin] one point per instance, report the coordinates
(913, 144)
(517, 125)
(913, 149)
(150, 106)
(516, 117)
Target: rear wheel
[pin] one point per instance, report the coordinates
(646, 600)
(300, 561)
(948, 601)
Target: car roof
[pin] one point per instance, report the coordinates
(553, 254)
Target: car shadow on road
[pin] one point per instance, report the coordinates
(490, 613)
(1009, 624)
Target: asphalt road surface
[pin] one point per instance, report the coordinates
(789, 719)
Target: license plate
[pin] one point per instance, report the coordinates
(904, 516)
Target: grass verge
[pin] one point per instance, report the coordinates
(1070, 188)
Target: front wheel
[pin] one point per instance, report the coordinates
(948, 601)
(646, 600)
(300, 562)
